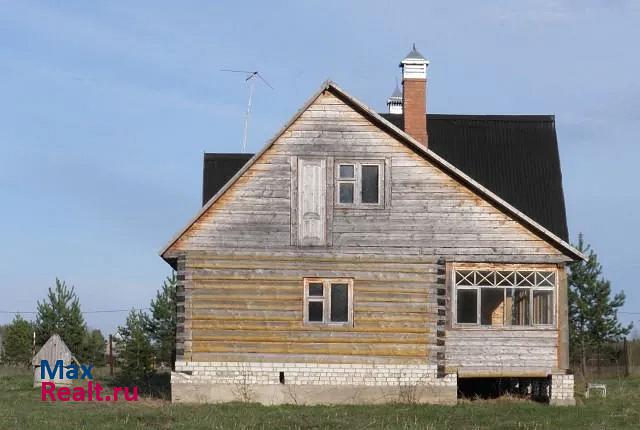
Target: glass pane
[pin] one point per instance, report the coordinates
(492, 306)
(467, 306)
(518, 306)
(545, 279)
(346, 171)
(505, 278)
(369, 184)
(315, 311)
(315, 289)
(464, 277)
(543, 307)
(339, 303)
(346, 193)
(525, 279)
(485, 278)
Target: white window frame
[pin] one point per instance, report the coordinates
(357, 183)
(476, 286)
(326, 301)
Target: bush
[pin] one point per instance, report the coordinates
(17, 343)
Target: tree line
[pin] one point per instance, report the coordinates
(143, 342)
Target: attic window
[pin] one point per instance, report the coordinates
(360, 184)
(328, 301)
(504, 296)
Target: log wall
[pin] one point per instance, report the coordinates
(242, 308)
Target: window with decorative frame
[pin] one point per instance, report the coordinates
(328, 301)
(360, 183)
(503, 296)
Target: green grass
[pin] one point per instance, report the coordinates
(21, 408)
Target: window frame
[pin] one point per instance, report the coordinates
(327, 284)
(357, 183)
(478, 288)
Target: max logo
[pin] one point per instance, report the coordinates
(58, 372)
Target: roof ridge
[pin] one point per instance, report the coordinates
(489, 117)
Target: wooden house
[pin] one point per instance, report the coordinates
(364, 257)
(53, 350)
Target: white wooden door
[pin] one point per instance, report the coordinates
(312, 189)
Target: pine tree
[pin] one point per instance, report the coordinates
(93, 348)
(162, 324)
(60, 314)
(136, 353)
(17, 342)
(593, 319)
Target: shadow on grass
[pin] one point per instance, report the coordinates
(157, 385)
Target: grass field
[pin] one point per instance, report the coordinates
(21, 408)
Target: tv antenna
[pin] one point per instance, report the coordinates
(251, 81)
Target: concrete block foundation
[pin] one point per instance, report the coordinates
(562, 390)
(310, 383)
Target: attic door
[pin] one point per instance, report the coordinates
(312, 180)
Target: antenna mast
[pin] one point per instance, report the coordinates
(251, 80)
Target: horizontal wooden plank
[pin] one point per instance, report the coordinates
(409, 350)
(293, 326)
(298, 274)
(304, 358)
(307, 336)
(390, 307)
(298, 266)
(248, 305)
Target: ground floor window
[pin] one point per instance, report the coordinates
(328, 301)
(503, 297)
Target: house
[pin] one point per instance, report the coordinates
(363, 257)
(53, 350)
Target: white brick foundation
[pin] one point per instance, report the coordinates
(562, 390)
(306, 376)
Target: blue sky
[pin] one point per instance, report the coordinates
(107, 108)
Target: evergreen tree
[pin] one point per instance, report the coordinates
(60, 314)
(593, 319)
(162, 324)
(136, 353)
(17, 342)
(94, 348)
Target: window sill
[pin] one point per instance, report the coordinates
(462, 327)
(358, 207)
(328, 325)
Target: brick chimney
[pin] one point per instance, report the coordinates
(414, 95)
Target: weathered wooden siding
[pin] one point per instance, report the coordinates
(54, 349)
(244, 306)
(241, 290)
(256, 211)
(427, 209)
(477, 352)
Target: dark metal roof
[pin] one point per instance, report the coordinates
(515, 156)
(218, 169)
